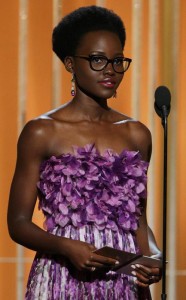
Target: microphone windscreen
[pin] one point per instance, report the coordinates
(162, 96)
(162, 99)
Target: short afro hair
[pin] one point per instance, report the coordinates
(68, 33)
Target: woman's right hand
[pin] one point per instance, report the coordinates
(82, 256)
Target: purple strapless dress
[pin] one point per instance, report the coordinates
(93, 198)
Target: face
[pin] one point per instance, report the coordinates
(100, 84)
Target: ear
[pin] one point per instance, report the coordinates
(69, 62)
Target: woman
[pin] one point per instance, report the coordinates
(87, 163)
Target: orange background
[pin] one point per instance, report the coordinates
(38, 89)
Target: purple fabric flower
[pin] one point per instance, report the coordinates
(89, 188)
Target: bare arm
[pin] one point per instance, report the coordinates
(146, 239)
(144, 235)
(31, 150)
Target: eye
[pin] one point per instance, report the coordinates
(97, 59)
(118, 61)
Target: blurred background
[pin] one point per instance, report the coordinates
(32, 81)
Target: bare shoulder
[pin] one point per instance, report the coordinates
(134, 133)
(37, 135)
(141, 138)
(140, 131)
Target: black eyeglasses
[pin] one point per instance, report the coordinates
(99, 62)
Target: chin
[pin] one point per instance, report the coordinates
(106, 94)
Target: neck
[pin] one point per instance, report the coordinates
(90, 109)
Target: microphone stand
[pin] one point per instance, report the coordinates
(162, 107)
(164, 124)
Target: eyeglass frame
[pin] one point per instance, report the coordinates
(88, 58)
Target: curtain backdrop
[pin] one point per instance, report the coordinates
(33, 81)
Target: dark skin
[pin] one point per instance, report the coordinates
(84, 120)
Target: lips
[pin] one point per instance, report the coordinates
(108, 83)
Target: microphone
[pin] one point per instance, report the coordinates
(162, 101)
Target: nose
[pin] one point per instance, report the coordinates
(109, 68)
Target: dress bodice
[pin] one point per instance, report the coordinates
(86, 187)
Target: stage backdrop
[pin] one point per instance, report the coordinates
(32, 81)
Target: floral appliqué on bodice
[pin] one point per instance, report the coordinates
(86, 187)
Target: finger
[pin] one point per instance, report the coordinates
(138, 282)
(154, 279)
(153, 273)
(144, 280)
(90, 264)
(96, 268)
(141, 284)
(147, 270)
(104, 260)
(141, 278)
(143, 269)
(98, 265)
(92, 247)
(140, 271)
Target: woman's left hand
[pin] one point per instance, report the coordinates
(145, 275)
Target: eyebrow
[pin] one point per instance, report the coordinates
(97, 52)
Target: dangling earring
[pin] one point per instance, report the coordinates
(115, 94)
(73, 91)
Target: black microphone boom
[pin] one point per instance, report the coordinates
(162, 101)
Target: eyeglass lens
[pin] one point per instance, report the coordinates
(119, 64)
